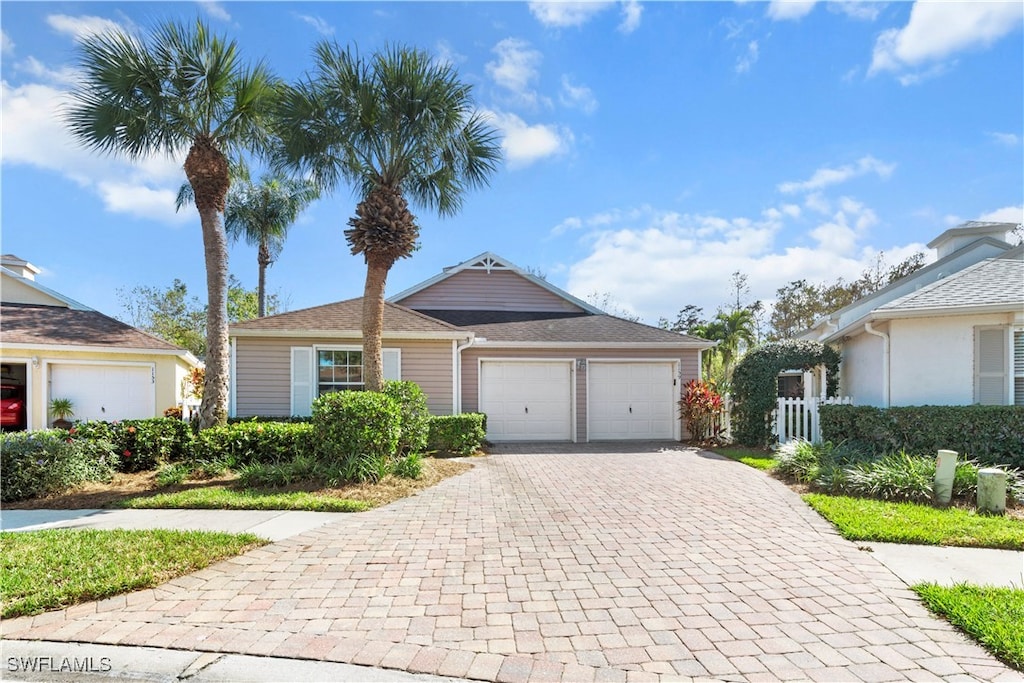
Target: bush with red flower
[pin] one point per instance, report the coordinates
(701, 408)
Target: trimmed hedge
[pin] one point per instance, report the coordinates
(359, 430)
(245, 443)
(461, 434)
(991, 435)
(415, 417)
(140, 444)
(49, 461)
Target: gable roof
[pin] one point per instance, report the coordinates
(995, 284)
(36, 325)
(32, 284)
(489, 261)
(584, 330)
(345, 319)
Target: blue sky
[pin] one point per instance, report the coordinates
(651, 149)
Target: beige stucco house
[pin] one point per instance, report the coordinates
(484, 336)
(56, 347)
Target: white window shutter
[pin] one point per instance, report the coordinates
(1018, 368)
(302, 380)
(392, 359)
(990, 371)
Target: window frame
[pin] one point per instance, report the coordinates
(339, 386)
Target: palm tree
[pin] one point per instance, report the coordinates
(184, 88)
(262, 215)
(396, 126)
(735, 329)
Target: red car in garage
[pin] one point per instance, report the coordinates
(12, 406)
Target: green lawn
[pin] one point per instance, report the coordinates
(992, 616)
(863, 519)
(45, 570)
(223, 498)
(754, 457)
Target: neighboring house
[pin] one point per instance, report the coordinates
(56, 347)
(951, 333)
(482, 336)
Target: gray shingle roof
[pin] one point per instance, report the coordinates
(993, 282)
(57, 325)
(344, 316)
(593, 329)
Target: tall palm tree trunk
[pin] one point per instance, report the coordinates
(264, 260)
(377, 268)
(207, 170)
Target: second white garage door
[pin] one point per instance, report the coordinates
(105, 392)
(632, 400)
(527, 400)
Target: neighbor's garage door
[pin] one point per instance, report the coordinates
(527, 400)
(631, 400)
(105, 392)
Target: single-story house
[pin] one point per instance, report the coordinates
(56, 347)
(951, 333)
(485, 336)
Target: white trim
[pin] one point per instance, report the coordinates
(29, 381)
(557, 346)
(28, 282)
(677, 369)
(180, 353)
(946, 311)
(48, 380)
(232, 377)
(573, 418)
(355, 335)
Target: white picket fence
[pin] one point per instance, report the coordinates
(798, 418)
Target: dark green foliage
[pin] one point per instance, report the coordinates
(415, 416)
(293, 419)
(140, 444)
(50, 461)
(460, 434)
(755, 383)
(409, 467)
(359, 430)
(991, 435)
(254, 442)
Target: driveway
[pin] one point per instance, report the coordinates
(559, 562)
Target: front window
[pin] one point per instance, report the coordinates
(339, 371)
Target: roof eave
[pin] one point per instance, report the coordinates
(92, 348)
(942, 311)
(592, 344)
(352, 334)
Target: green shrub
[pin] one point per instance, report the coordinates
(302, 468)
(253, 442)
(409, 467)
(40, 463)
(460, 434)
(798, 460)
(293, 419)
(173, 474)
(755, 384)
(991, 435)
(415, 416)
(140, 444)
(358, 430)
(896, 477)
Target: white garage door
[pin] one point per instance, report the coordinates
(631, 401)
(105, 392)
(527, 400)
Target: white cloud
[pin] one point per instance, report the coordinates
(825, 177)
(516, 69)
(6, 44)
(33, 134)
(446, 54)
(747, 59)
(937, 30)
(631, 13)
(815, 201)
(82, 26)
(37, 70)
(215, 10)
(563, 14)
(655, 262)
(524, 144)
(1008, 139)
(1007, 214)
(789, 10)
(319, 24)
(863, 11)
(577, 96)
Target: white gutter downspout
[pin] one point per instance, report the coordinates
(885, 361)
(457, 350)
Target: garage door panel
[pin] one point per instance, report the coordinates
(105, 392)
(631, 400)
(526, 401)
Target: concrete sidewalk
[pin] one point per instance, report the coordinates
(911, 563)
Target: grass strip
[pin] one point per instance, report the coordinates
(865, 519)
(55, 568)
(992, 616)
(752, 457)
(224, 498)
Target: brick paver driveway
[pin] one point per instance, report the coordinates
(583, 564)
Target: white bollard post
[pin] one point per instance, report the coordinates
(945, 469)
(991, 491)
